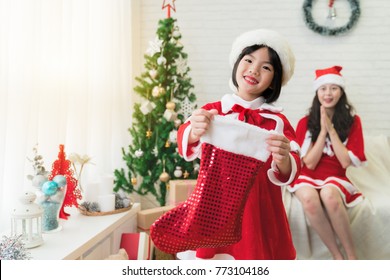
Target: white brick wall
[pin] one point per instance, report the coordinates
(209, 27)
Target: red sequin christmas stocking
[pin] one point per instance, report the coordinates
(211, 217)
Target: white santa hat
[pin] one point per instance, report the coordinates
(330, 75)
(270, 39)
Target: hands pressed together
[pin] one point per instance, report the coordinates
(326, 123)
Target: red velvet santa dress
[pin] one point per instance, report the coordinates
(329, 170)
(265, 229)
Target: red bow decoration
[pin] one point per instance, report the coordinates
(247, 115)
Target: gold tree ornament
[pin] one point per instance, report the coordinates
(170, 114)
(167, 144)
(170, 105)
(149, 134)
(186, 174)
(164, 177)
(134, 181)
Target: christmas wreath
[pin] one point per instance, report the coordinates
(327, 31)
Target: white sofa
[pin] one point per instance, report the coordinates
(370, 220)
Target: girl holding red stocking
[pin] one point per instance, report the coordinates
(248, 151)
(331, 138)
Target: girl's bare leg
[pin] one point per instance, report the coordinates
(339, 219)
(318, 219)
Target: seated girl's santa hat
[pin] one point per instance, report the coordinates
(270, 39)
(330, 75)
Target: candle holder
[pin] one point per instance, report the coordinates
(27, 220)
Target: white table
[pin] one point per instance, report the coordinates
(86, 237)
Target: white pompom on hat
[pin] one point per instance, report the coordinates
(270, 39)
(330, 75)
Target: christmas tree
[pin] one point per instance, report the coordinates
(166, 90)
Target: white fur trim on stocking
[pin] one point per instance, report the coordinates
(238, 137)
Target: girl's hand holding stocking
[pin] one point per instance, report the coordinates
(279, 146)
(200, 121)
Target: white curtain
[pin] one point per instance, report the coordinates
(65, 78)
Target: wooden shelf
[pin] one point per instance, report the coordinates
(87, 237)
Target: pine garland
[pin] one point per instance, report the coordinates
(326, 31)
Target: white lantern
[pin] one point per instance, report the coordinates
(27, 220)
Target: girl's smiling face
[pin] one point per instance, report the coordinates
(254, 74)
(329, 95)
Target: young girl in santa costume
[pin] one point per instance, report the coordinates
(331, 139)
(262, 62)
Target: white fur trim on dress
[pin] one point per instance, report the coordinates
(238, 137)
(355, 160)
(294, 146)
(318, 184)
(274, 169)
(329, 151)
(195, 150)
(229, 100)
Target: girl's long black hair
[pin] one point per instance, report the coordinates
(342, 119)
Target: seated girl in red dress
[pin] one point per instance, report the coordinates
(331, 139)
